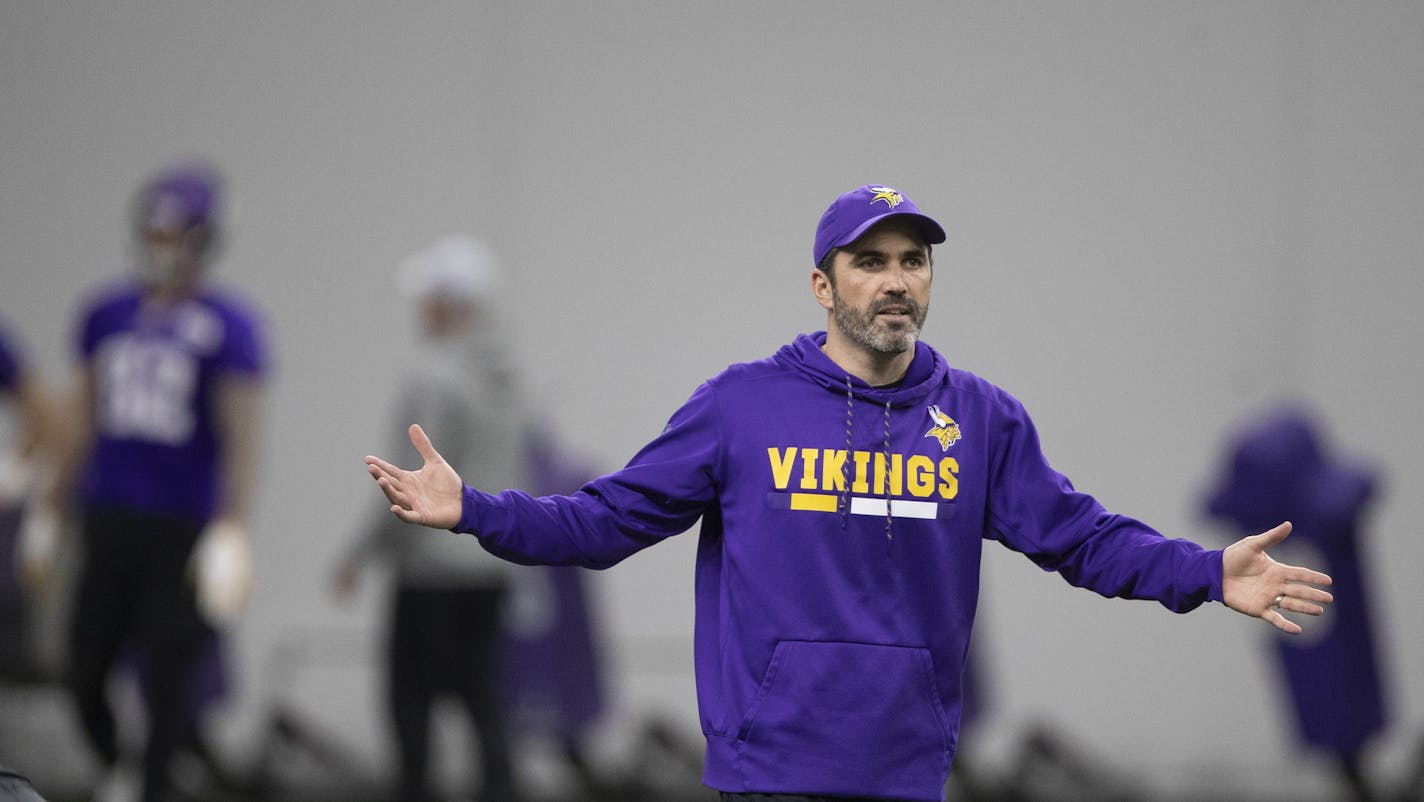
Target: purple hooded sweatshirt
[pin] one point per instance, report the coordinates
(832, 627)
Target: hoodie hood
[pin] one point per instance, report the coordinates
(926, 371)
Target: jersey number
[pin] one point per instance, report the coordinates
(145, 391)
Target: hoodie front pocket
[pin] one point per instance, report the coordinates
(841, 718)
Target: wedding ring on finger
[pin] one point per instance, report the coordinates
(1277, 602)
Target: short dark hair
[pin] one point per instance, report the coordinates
(826, 262)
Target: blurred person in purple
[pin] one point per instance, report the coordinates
(166, 426)
(444, 633)
(553, 673)
(27, 434)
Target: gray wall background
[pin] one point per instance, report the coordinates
(1162, 218)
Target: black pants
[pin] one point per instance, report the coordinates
(446, 641)
(134, 590)
(15, 659)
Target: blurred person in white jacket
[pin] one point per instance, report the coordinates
(445, 621)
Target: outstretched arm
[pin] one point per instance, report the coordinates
(1254, 584)
(430, 496)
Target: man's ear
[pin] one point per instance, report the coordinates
(821, 288)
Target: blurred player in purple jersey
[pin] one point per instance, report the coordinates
(166, 427)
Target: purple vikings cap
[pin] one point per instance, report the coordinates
(853, 213)
(181, 196)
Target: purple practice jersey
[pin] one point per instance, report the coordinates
(155, 370)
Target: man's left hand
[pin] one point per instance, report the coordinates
(1254, 584)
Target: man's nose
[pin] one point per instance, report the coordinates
(895, 282)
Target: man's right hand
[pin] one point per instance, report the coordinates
(432, 496)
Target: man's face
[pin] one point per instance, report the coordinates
(168, 256)
(880, 294)
(443, 317)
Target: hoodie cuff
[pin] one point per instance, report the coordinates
(1197, 579)
(470, 499)
(1212, 567)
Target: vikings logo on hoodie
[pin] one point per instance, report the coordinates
(945, 430)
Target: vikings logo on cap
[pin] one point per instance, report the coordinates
(852, 213)
(892, 197)
(945, 430)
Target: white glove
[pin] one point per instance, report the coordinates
(39, 543)
(222, 572)
(15, 478)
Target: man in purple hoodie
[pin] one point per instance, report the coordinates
(845, 487)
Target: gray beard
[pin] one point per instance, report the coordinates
(860, 326)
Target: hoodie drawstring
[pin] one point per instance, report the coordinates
(885, 454)
(845, 480)
(889, 518)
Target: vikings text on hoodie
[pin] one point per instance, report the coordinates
(838, 566)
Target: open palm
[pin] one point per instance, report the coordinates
(431, 496)
(1256, 585)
